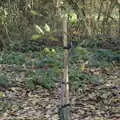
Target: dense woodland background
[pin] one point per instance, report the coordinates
(32, 54)
(97, 20)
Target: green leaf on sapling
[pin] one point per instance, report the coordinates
(39, 30)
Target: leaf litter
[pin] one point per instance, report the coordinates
(93, 102)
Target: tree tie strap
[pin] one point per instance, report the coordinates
(67, 47)
(66, 83)
(65, 105)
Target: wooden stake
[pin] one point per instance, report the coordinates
(65, 103)
(65, 76)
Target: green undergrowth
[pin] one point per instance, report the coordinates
(46, 65)
(105, 42)
(4, 81)
(12, 58)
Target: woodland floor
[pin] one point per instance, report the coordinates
(93, 102)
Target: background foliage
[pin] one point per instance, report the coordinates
(97, 20)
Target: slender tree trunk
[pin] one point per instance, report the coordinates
(107, 15)
(100, 10)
